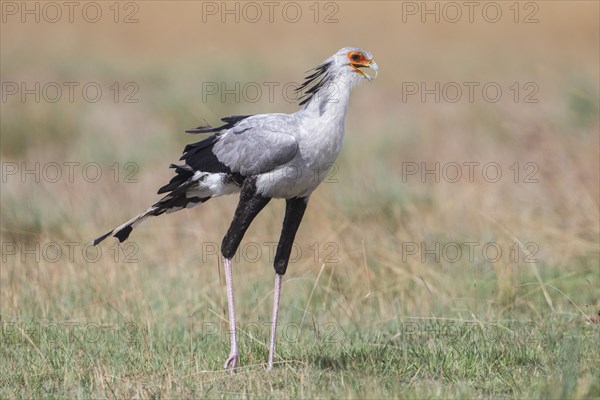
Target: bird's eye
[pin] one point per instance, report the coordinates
(355, 57)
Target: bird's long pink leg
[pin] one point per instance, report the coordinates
(232, 360)
(277, 293)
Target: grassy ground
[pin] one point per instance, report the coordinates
(402, 283)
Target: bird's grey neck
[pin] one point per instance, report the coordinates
(331, 101)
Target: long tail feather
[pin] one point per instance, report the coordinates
(122, 232)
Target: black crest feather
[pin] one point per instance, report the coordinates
(314, 82)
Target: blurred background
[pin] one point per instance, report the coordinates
(468, 186)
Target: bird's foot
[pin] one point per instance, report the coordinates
(231, 362)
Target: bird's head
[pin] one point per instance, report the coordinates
(350, 61)
(343, 69)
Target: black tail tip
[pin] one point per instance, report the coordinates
(122, 235)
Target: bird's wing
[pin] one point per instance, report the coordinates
(257, 144)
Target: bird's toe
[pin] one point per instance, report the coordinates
(231, 362)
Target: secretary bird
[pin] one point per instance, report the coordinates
(253, 155)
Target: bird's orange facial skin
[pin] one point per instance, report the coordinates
(356, 57)
(357, 60)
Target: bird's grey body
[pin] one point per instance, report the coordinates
(265, 156)
(290, 154)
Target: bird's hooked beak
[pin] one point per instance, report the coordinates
(373, 66)
(362, 62)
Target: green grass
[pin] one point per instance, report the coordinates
(554, 358)
(140, 330)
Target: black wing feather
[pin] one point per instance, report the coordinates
(199, 156)
(229, 123)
